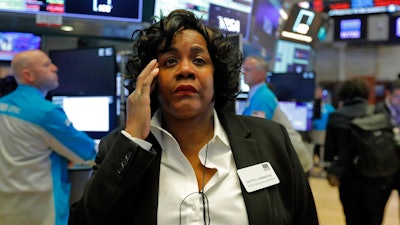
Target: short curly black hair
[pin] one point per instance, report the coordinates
(353, 88)
(226, 57)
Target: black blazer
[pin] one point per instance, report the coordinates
(124, 186)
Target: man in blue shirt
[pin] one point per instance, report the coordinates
(263, 103)
(37, 141)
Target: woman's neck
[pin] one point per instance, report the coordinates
(191, 134)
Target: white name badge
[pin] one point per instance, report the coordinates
(258, 176)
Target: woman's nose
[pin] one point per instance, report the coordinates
(186, 70)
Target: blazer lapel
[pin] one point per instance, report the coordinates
(246, 153)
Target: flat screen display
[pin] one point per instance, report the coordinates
(12, 43)
(86, 71)
(378, 27)
(292, 57)
(293, 86)
(122, 10)
(95, 115)
(394, 28)
(228, 20)
(264, 24)
(229, 15)
(299, 113)
(350, 28)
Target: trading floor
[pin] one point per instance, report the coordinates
(329, 206)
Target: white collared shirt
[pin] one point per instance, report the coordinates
(179, 197)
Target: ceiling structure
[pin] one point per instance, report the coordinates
(114, 29)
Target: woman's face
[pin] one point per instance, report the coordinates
(185, 80)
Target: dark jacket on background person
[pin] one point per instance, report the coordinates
(363, 198)
(126, 191)
(382, 107)
(338, 143)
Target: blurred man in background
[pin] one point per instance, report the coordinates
(37, 141)
(262, 102)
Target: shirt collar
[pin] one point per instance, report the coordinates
(255, 88)
(31, 89)
(158, 131)
(220, 138)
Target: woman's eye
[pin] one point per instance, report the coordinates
(170, 62)
(199, 61)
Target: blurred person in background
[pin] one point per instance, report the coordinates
(319, 124)
(391, 106)
(363, 198)
(7, 85)
(391, 103)
(263, 103)
(37, 141)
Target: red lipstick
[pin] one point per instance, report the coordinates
(186, 88)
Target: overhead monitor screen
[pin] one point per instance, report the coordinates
(394, 28)
(228, 20)
(122, 10)
(264, 24)
(378, 27)
(292, 57)
(350, 28)
(229, 15)
(12, 43)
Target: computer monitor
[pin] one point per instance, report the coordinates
(264, 24)
(85, 71)
(350, 28)
(293, 86)
(231, 16)
(299, 113)
(292, 57)
(95, 115)
(12, 43)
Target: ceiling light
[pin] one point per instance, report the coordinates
(66, 28)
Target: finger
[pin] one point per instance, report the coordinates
(146, 77)
(150, 66)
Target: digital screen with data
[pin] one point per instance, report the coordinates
(125, 10)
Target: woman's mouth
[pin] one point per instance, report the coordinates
(185, 89)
